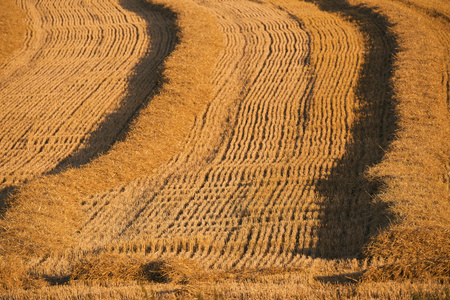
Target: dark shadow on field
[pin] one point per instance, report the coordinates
(5, 194)
(56, 280)
(350, 215)
(145, 82)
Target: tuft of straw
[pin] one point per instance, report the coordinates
(174, 270)
(103, 267)
(413, 252)
(107, 266)
(436, 268)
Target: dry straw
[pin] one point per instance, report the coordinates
(423, 269)
(12, 30)
(104, 267)
(411, 253)
(416, 167)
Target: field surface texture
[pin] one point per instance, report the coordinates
(67, 93)
(227, 148)
(243, 192)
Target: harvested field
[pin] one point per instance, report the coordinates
(293, 149)
(242, 194)
(71, 90)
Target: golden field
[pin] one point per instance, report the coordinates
(225, 149)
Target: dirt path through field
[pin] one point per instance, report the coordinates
(243, 193)
(87, 66)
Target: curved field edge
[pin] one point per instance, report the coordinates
(416, 167)
(414, 170)
(12, 35)
(32, 225)
(12, 29)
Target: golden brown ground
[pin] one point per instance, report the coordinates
(12, 29)
(306, 155)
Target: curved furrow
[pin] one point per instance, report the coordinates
(73, 75)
